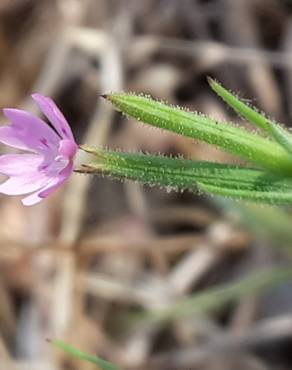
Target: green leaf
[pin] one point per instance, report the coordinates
(282, 136)
(215, 298)
(278, 133)
(177, 173)
(102, 364)
(249, 146)
(273, 193)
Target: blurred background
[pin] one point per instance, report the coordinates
(145, 278)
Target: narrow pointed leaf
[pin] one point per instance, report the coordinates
(280, 135)
(252, 147)
(101, 364)
(176, 173)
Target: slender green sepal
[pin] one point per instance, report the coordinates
(182, 174)
(102, 364)
(278, 133)
(249, 146)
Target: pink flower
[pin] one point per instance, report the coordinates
(48, 161)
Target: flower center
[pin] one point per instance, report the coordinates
(67, 149)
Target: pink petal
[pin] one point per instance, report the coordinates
(19, 164)
(62, 177)
(51, 187)
(28, 132)
(32, 199)
(28, 183)
(54, 115)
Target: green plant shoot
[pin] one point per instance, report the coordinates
(266, 178)
(101, 364)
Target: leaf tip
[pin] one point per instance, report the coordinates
(210, 80)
